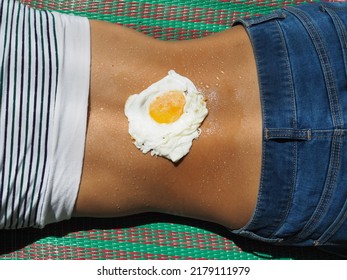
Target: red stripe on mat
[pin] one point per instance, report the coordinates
(162, 238)
(48, 251)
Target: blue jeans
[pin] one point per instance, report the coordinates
(301, 58)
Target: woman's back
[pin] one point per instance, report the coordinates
(218, 179)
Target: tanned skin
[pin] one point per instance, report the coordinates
(218, 180)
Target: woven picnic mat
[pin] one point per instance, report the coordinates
(150, 236)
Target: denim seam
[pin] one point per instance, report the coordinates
(333, 228)
(295, 160)
(337, 121)
(335, 152)
(297, 137)
(294, 124)
(328, 133)
(329, 130)
(321, 137)
(251, 234)
(290, 76)
(325, 62)
(253, 219)
(341, 32)
(306, 134)
(335, 225)
(334, 8)
(328, 187)
(309, 134)
(291, 134)
(257, 20)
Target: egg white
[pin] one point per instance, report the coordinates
(171, 140)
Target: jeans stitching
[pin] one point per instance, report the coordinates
(335, 134)
(264, 18)
(334, 8)
(263, 178)
(321, 137)
(339, 220)
(293, 134)
(337, 120)
(253, 219)
(341, 32)
(322, 53)
(333, 228)
(290, 76)
(328, 187)
(285, 214)
(306, 134)
(263, 161)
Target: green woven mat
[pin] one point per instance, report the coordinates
(150, 236)
(147, 236)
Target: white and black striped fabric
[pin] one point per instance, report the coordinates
(43, 103)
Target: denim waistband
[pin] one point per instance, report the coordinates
(301, 59)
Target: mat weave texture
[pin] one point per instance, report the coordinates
(150, 236)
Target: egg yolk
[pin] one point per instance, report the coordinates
(168, 107)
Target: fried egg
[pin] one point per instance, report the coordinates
(165, 118)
